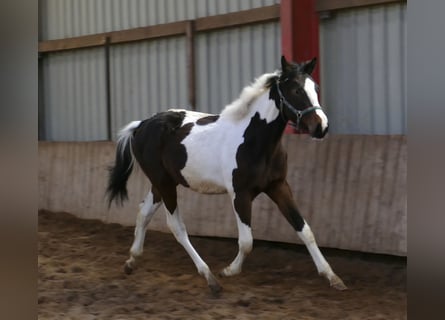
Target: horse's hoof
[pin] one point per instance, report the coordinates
(128, 269)
(215, 289)
(338, 284)
(223, 273)
(228, 272)
(214, 286)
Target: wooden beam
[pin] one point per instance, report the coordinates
(234, 19)
(150, 32)
(328, 5)
(72, 43)
(123, 36)
(238, 19)
(191, 73)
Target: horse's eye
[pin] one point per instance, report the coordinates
(299, 91)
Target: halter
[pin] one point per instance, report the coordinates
(298, 113)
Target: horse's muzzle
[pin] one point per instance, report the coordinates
(319, 133)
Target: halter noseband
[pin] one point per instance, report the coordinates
(298, 113)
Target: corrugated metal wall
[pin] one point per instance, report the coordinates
(363, 65)
(70, 18)
(149, 76)
(229, 60)
(73, 93)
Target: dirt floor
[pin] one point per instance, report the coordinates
(81, 276)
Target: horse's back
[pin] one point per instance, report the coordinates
(183, 146)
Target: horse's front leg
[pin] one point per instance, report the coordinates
(281, 194)
(242, 206)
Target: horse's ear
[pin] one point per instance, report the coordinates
(309, 66)
(285, 66)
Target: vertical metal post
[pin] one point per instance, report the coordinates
(41, 123)
(191, 73)
(41, 104)
(108, 87)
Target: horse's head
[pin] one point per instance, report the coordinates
(297, 98)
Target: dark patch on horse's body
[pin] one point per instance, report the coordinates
(261, 160)
(154, 142)
(208, 119)
(262, 167)
(174, 147)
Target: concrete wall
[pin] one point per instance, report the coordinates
(351, 190)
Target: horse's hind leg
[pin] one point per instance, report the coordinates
(177, 227)
(147, 208)
(281, 194)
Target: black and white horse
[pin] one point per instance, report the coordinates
(236, 152)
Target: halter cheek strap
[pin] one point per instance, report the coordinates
(298, 113)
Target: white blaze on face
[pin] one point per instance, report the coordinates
(309, 87)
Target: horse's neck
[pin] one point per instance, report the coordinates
(265, 107)
(267, 121)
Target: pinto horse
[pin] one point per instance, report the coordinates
(237, 152)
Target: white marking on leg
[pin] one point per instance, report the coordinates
(322, 265)
(177, 227)
(245, 241)
(309, 240)
(146, 211)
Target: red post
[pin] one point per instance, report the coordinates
(287, 28)
(300, 34)
(306, 33)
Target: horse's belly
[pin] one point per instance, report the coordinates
(209, 164)
(206, 186)
(203, 178)
(203, 172)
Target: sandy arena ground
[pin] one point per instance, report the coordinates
(81, 277)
